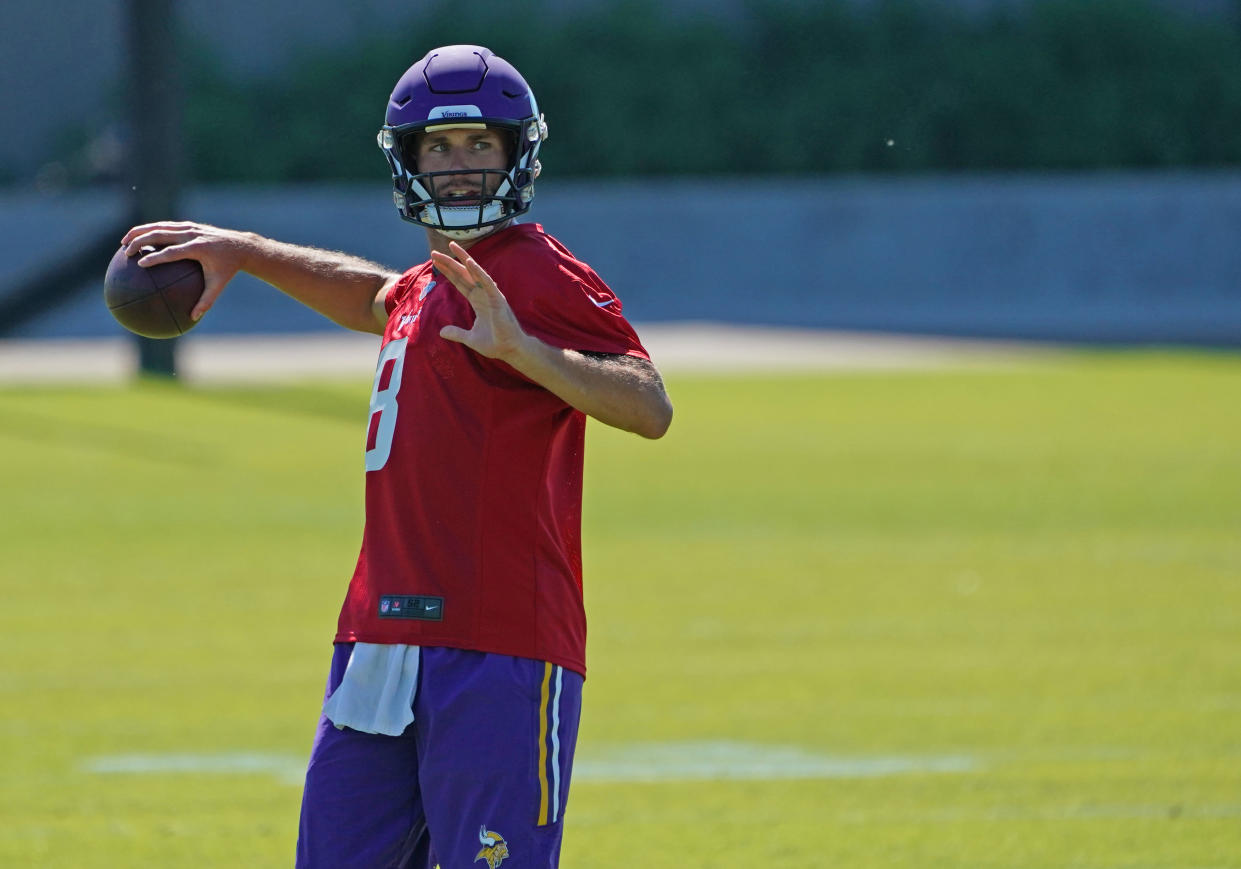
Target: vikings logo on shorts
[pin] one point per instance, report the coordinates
(494, 849)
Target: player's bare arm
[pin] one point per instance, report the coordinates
(621, 391)
(348, 290)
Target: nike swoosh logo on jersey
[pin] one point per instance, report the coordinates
(603, 304)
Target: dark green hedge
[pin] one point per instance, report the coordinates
(815, 87)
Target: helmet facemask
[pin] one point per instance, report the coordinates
(504, 193)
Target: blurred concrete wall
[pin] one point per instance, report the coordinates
(1099, 258)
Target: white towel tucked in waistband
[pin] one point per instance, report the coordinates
(376, 694)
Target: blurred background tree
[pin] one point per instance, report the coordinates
(897, 85)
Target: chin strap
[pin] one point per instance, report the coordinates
(462, 222)
(469, 234)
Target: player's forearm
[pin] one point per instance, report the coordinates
(621, 391)
(339, 286)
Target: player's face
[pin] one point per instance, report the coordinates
(462, 149)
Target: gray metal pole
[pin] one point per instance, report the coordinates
(154, 170)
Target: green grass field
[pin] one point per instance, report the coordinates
(924, 619)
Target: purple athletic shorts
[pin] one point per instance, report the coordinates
(480, 776)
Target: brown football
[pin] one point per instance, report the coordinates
(154, 302)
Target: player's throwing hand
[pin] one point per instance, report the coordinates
(220, 252)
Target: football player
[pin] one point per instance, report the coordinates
(454, 693)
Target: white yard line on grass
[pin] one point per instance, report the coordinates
(719, 761)
(698, 348)
(639, 762)
(656, 763)
(287, 768)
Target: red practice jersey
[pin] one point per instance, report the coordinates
(474, 473)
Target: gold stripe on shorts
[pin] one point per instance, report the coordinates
(547, 676)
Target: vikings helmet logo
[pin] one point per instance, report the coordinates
(494, 849)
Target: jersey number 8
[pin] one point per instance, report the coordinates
(383, 404)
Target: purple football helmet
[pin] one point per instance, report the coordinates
(453, 87)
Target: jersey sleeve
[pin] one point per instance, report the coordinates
(401, 289)
(567, 305)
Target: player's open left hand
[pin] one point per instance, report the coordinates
(496, 332)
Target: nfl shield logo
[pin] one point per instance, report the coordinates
(383, 606)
